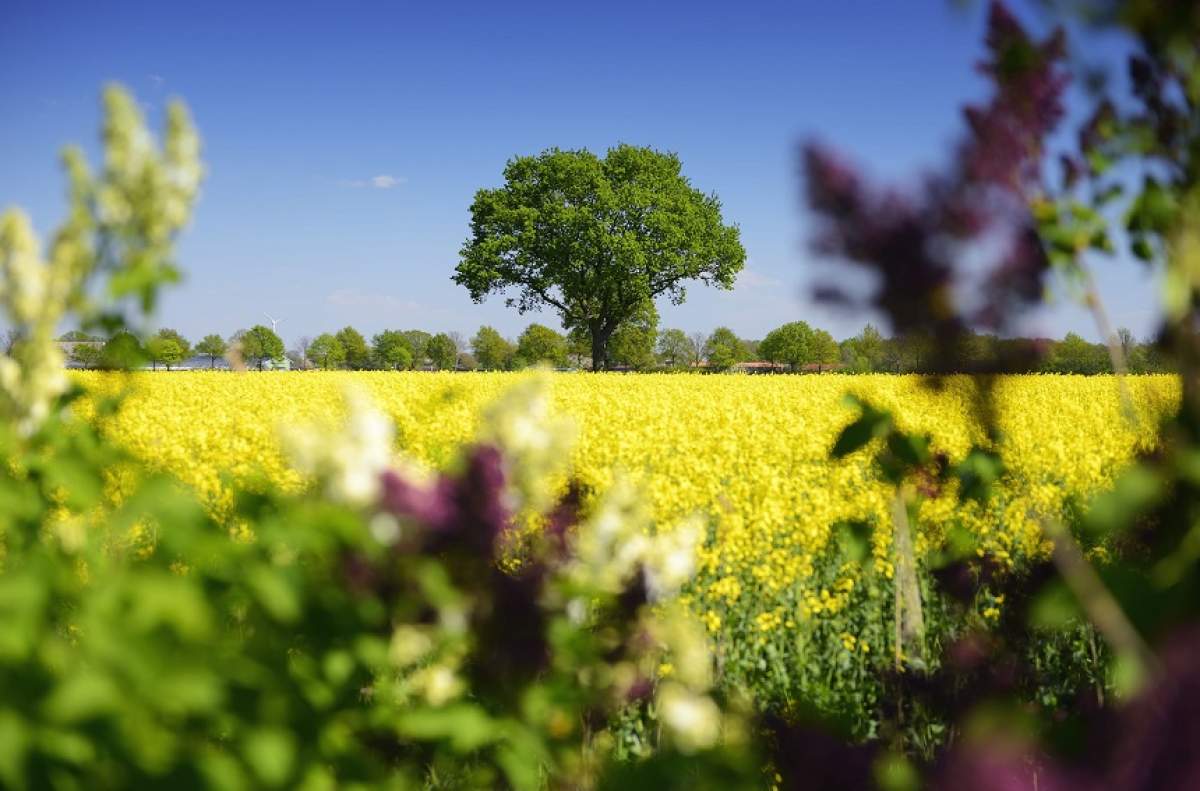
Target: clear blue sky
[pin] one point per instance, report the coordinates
(303, 105)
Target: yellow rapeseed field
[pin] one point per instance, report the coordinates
(751, 454)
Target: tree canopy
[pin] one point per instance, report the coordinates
(492, 351)
(442, 352)
(260, 345)
(212, 346)
(327, 351)
(358, 356)
(391, 351)
(596, 239)
(540, 344)
(724, 349)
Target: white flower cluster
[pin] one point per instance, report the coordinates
(535, 443)
(347, 462)
(616, 540)
(122, 224)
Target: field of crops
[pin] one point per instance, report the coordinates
(749, 454)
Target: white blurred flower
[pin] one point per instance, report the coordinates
(535, 443)
(348, 462)
(692, 720)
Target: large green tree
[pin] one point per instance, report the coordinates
(596, 239)
(391, 351)
(327, 351)
(442, 352)
(793, 345)
(540, 344)
(185, 346)
(358, 356)
(260, 345)
(492, 351)
(674, 349)
(212, 346)
(724, 349)
(864, 352)
(163, 350)
(418, 343)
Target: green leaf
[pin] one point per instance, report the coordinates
(1137, 489)
(1054, 608)
(83, 695)
(271, 753)
(465, 726)
(870, 425)
(14, 746)
(275, 593)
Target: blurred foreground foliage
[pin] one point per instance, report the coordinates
(367, 633)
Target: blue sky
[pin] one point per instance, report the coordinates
(344, 141)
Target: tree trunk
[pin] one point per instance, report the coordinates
(600, 335)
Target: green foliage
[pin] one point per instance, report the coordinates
(596, 239)
(418, 342)
(492, 351)
(796, 344)
(163, 350)
(212, 346)
(540, 344)
(260, 345)
(1074, 355)
(390, 351)
(442, 352)
(724, 349)
(354, 345)
(632, 344)
(674, 349)
(327, 351)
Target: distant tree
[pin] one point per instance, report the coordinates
(443, 354)
(793, 345)
(299, 354)
(596, 238)
(492, 350)
(86, 354)
(327, 351)
(185, 346)
(632, 344)
(724, 349)
(212, 346)
(358, 356)
(864, 352)
(1126, 342)
(123, 351)
(540, 344)
(390, 351)
(75, 336)
(825, 350)
(467, 362)
(1074, 355)
(674, 349)
(418, 344)
(698, 340)
(260, 345)
(163, 350)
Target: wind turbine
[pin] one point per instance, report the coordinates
(274, 322)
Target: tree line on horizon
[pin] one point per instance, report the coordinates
(636, 346)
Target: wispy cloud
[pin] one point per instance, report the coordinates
(157, 80)
(753, 279)
(383, 181)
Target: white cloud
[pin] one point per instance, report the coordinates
(383, 181)
(753, 279)
(157, 79)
